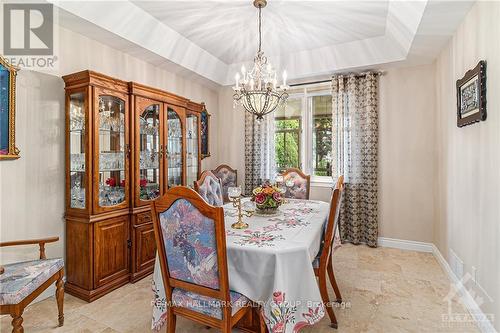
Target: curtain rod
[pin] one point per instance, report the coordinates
(379, 73)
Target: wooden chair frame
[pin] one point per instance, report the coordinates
(204, 175)
(302, 175)
(326, 257)
(217, 215)
(16, 310)
(225, 166)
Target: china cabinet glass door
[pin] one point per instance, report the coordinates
(192, 149)
(149, 153)
(77, 151)
(174, 149)
(112, 151)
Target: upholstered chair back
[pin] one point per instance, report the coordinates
(228, 177)
(190, 244)
(297, 184)
(210, 188)
(190, 237)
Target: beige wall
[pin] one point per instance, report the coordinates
(32, 187)
(407, 154)
(407, 168)
(468, 219)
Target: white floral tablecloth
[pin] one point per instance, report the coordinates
(270, 263)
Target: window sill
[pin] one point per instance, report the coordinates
(322, 182)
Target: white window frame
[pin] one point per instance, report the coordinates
(306, 115)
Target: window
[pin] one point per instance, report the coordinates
(287, 136)
(322, 135)
(303, 133)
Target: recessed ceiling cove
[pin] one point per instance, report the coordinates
(213, 39)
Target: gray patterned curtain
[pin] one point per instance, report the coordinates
(355, 137)
(259, 151)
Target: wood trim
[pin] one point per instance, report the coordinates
(91, 78)
(87, 97)
(95, 180)
(140, 104)
(41, 244)
(302, 175)
(157, 94)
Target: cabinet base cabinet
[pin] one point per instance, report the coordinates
(97, 256)
(143, 247)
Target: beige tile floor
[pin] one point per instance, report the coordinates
(387, 290)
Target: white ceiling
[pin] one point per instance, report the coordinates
(212, 39)
(222, 28)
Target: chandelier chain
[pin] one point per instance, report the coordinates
(260, 28)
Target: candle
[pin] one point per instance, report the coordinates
(237, 79)
(284, 78)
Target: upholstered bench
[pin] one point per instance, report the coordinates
(22, 282)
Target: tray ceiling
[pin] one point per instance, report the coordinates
(212, 39)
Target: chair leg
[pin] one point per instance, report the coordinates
(171, 321)
(60, 298)
(326, 300)
(17, 322)
(262, 322)
(226, 328)
(333, 282)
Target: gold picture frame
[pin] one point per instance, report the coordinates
(8, 149)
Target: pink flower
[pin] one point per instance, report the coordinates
(279, 327)
(278, 297)
(260, 198)
(277, 196)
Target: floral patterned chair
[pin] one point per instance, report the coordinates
(297, 184)
(190, 237)
(228, 177)
(210, 188)
(22, 282)
(323, 262)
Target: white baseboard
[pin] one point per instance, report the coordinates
(405, 244)
(484, 325)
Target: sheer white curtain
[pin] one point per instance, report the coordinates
(260, 163)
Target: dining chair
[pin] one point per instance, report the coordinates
(191, 241)
(298, 184)
(228, 177)
(22, 282)
(210, 188)
(322, 264)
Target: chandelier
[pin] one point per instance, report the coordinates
(256, 90)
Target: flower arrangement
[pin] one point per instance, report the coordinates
(267, 198)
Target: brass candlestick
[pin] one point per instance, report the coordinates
(237, 204)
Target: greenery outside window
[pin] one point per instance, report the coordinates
(303, 133)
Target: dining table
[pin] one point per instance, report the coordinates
(270, 263)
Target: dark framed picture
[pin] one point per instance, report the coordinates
(205, 131)
(471, 96)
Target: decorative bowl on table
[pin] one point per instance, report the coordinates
(267, 198)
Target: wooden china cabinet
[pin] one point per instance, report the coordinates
(126, 144)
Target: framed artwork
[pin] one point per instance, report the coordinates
(205, 131)
(471, 96)
(8, 148)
